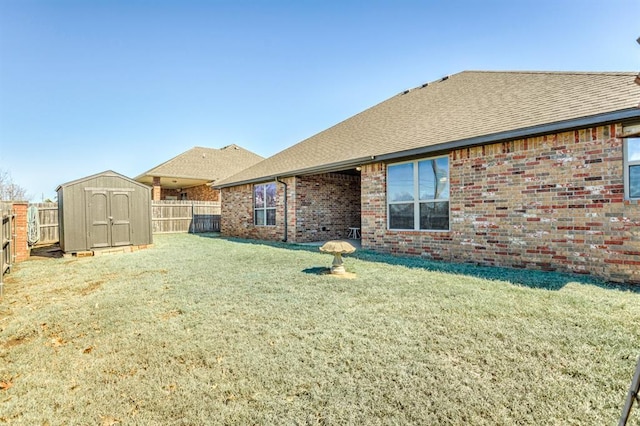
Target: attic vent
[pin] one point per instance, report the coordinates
(424, 85)
(446, 77)
(405, 92)
(204, 155)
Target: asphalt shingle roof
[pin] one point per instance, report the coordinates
(464, 106)
(206, 163)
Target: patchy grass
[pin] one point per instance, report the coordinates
(204, 330)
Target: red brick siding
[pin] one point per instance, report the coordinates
(329, 200)
(20, 241)
(550, 203)
(197, 193)
(236, 218)
(326, 206)
(156, 191)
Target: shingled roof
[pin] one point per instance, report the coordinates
(468, 108)
(203, 164)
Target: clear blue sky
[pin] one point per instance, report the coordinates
(92, 85)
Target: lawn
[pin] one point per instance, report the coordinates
(203, 330)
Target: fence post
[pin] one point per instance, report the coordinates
(6, 234)
(192, 224)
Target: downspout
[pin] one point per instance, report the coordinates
(286, 230)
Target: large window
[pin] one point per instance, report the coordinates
(632, 168)
(418, 194)
(264, 204)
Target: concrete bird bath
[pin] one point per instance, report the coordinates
(337, 249)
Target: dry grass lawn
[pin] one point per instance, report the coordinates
(201, 330)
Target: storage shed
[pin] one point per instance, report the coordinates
(103, 210)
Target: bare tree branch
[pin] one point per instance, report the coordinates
(10, 191)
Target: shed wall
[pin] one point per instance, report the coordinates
(73, 198)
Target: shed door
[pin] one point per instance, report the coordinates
(120, 219)
(99, 223)
(109, 218)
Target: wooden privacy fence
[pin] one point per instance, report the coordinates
(168, 216)
(48, 215)
(7, 232)
(185, 216)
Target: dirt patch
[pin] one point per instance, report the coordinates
(8, 279)
(15, 341)
(50, 251)
(171, 314)
(91, 287)
(161, 271)
(345, 276)
(5, 313)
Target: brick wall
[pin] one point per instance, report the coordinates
(551, 203)
(320, 207)
(198, 193)
(326, 206)
(20, 222)
(156, 191)
(236, 219)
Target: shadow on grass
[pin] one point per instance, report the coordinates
(318, 270)
(546, 280)
(207, 234)
(48, 251)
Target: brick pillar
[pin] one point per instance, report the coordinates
(20, 226)
(156, 194)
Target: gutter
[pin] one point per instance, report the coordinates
(286, 228)
(567, 125)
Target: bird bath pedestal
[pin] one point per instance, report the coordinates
(337, 249)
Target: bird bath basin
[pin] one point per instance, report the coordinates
(337, 248)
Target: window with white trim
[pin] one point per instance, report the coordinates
(632, 168)
(264, 204)
(418, 195)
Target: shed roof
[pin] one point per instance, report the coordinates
(464, 109)
(207, 164)
(106, 173)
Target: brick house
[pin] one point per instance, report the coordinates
(190, 175)
(536, 170)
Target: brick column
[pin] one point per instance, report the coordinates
(20, 226)
(156, 194)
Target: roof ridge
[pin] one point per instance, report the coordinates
(201, 147)
(231, 146)
(523, 72)
(164, 163)
(212, 154)
(547, 72)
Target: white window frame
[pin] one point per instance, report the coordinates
(264, 209)
(627, 165)
(416, 196)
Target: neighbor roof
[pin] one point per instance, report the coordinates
(208, 164)
(468, 108)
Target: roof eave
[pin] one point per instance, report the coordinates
(170, 176)
(566, 125)
(325, 168)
